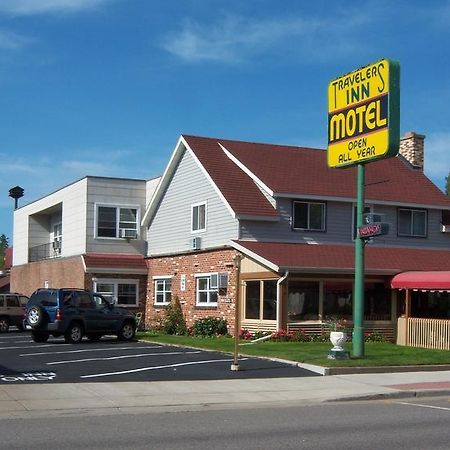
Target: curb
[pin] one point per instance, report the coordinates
(393, 395)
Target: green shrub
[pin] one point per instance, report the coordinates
(210, 326)
(174, 322)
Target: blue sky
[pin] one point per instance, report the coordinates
(105, 87)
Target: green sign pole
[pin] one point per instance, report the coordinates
(358, 295)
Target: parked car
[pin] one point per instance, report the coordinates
(12, 310)
(74, 313)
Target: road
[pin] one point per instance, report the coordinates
(396, 424)
(26, 362)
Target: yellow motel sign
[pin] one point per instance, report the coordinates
(364, 114)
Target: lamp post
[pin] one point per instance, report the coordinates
(237, 264)
(16, 193)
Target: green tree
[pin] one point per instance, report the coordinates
(447, 185)
(3, 246)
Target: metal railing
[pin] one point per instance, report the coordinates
(43, 251)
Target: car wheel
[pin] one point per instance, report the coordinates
(94, 337)
(74, 333)
(127, 331)
(39, 336)
(35, 316)
(4, 325)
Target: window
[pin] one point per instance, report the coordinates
(198, 217)
(163, 290)
(57, 239)
(120, 292)
(85, 300)
(112, 219)
(308, 216)
(261, 300)
(206, 295)
(412, 222)
(303, 300)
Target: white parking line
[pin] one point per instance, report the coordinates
(111, 358)
(32, 346)
(424, 406)
(143, 369)
(86, 350)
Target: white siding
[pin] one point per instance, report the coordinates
(114, 192)
(170, 229)
(33, 222)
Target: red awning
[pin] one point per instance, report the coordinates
(426, 281)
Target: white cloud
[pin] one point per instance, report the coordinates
(12, 41)
(31, 7)
(234, 38)
(437, 161)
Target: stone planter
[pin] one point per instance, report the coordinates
(338, 339)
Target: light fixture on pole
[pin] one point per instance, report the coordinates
(237, 264)
(16, 193)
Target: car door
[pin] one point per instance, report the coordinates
(14, 309)
(88, 312)
(109, 316)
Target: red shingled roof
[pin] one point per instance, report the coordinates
(338, 258)
(304, 171)
(239, 190)
(115, 262)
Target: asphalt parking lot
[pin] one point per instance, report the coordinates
(26, 362)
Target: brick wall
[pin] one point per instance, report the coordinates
(190, 264)
(61, 272)
(412, 148)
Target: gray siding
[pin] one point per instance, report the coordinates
(114, 192)
(338, 226)
(339, 217)
(170, 229)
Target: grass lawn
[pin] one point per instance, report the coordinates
(376, 354)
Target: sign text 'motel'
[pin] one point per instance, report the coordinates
(363, 115)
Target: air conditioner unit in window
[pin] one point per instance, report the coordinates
(128, 233)
(445, 228)
(223, 280)
(196, 243)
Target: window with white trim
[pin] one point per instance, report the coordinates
(120, 292)
(112, 219)
(412, 222)
(308, 216)
(206, 294)
(198, 213)
(163, 290)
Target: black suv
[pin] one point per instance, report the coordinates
(75, 313)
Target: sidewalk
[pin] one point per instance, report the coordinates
(109, 398)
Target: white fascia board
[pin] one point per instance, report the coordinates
(247, 171)
(163, 183)
(211, 181)
(265, 262)
(258, 218)
(353, 200)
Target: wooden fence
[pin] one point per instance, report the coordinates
(429, 333)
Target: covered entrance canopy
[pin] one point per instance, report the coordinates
(424, 281)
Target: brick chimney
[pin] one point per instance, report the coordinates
(412, 148)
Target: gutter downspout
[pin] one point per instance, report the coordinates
(280, 280)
